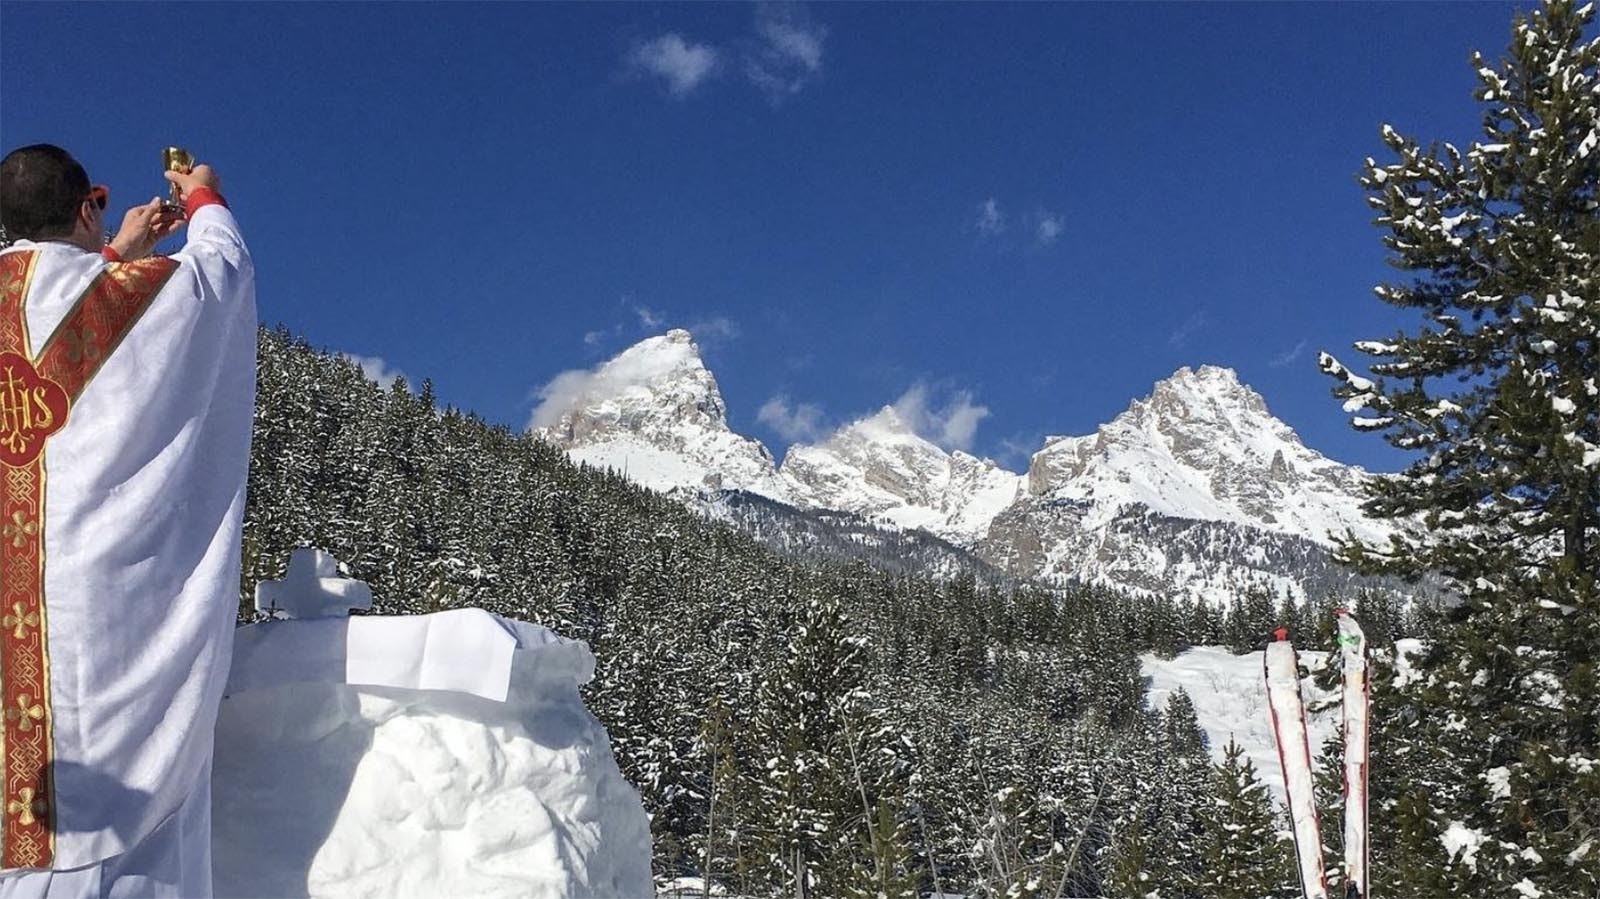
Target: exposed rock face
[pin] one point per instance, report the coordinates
(1196, 489)
(880, 468)
(1203, 446)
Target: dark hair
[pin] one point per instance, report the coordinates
(40, 189)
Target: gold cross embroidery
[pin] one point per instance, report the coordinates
(80, 345)
(22, 807)
(20, 528)
(20, 621)
(26, 712)
(12, 282)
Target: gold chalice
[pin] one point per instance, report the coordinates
(177, 159)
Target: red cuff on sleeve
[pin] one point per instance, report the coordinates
(200, 198)
(110, 254)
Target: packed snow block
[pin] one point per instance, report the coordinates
(312, 588)
(371, 757)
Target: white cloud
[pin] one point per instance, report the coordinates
(1288, 357)
(795, 424)
(376, 369)
(681, 64)
(587, 386)
(952, 425)
(649, 319)
(593, 338)
(562, 393)
(1049, 229)
(991, 220)
(1180, 336)
(788, 54)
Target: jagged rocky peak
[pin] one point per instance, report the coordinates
(881, 467)
(1203, 418)
(881, 453)
(655, 413)
(1202, 445)
(1210, 393)
(657, 380)
(1061, 460)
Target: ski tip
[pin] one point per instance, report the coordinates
(1281, 633)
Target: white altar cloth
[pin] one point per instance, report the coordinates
(460, 650)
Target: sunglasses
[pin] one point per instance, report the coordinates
(100, 194)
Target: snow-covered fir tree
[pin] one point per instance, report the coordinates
(1498, 392)
(1242, 855)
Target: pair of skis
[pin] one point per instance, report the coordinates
(1294, 751)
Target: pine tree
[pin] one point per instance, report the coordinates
(1132, 858)
(824, 759)
(1241, 856)
(1499, 393)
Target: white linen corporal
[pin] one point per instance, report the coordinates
(144, 501)
(458, 650)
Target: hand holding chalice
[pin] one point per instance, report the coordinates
(177, 159)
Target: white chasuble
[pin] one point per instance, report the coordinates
(126, 399)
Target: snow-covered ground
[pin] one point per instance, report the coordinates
(1230, 700)
(327, 788)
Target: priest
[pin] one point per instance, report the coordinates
(127, 385)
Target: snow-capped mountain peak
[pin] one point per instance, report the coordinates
(1203, 446)
(654, 412)
(656, 379)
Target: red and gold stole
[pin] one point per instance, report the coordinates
(36, 395)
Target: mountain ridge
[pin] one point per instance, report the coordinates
(1200, 459)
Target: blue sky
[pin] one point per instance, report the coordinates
(1033, 210)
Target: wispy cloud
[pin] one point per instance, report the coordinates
(787, 53)
(1048, 229)
(579, 387)
(680, 64)
(1288, 357)
(952, 424)
(797, 423)
(991, 220)
(1016, 451)
(377, 370)
(1040, 228)
(1192, 325)
(714, 330)
(649, 319)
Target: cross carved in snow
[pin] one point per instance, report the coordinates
(312, 588)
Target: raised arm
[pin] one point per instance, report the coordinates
(215, 249)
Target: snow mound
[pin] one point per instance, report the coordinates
(1230, 700)
(324, 787)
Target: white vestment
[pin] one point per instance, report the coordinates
(144, 501)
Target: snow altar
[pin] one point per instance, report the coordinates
(431, 755)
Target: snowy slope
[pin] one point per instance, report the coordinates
(655, 414)
(1230, 701)
(880, 467)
